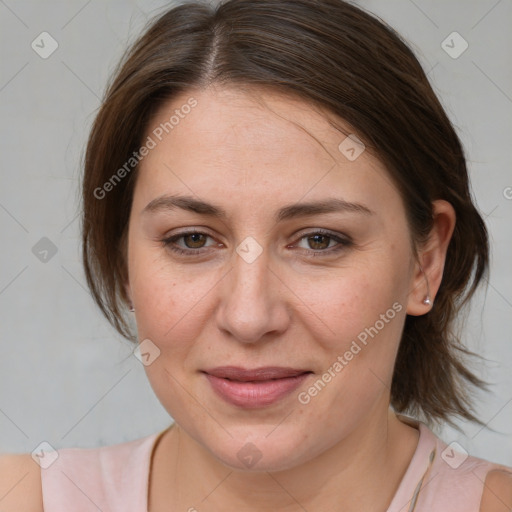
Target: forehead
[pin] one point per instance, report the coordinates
(246, 123)
(254, 144)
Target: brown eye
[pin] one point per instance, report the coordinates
(194, 240)
(318, 242)
(192, 243)
(322, 243)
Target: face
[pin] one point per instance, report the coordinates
(273, 327)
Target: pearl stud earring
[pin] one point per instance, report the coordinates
(427, 300)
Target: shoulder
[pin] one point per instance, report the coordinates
(20, 484)
(463, 481)
(497, 494)
(477, 483)
(107, 474)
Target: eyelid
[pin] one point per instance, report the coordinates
(323, 231)
(343, 241)
(167, 241)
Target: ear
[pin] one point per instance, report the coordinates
(431, 258)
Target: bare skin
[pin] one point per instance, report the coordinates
(177, 462)
(285, 308)
(342, 450)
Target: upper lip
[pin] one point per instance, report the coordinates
(255, 374)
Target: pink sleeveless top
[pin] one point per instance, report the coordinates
(116, 478)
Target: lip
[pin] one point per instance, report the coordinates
(253, 388)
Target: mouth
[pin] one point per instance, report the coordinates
(254, 388)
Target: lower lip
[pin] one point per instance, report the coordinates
(255, 394)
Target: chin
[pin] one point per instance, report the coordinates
(257, 449)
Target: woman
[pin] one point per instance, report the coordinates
(274, 191)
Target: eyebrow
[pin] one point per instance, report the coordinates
(191, 204)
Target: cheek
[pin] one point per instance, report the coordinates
(169, 298)
(345, 303)
(365, 313)
(335, 304)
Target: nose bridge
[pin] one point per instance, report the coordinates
(250, 308)
(250, 273)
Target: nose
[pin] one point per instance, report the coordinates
(253, 304)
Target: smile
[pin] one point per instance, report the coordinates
(255, 388)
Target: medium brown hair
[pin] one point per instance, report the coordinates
(331, 54)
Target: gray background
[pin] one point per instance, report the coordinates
(65, 376)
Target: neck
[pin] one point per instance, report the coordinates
(362, 472)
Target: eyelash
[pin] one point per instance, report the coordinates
(343, 243)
